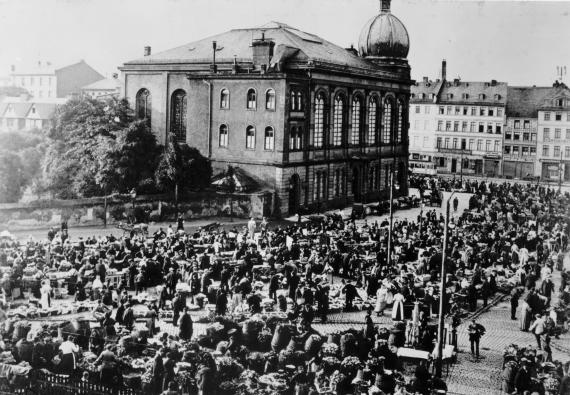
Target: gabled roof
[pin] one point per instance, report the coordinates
(238, 42)
(106, 84)
(44, 110)
(524, 101)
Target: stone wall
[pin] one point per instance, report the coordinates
(85, 212)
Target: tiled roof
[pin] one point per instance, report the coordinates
(237, 43)
(524, 101)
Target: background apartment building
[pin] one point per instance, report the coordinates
(466, 120)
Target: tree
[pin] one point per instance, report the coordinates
(97, 148)
(13, 177)
(182, 167)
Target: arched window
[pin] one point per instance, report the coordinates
(320, 185)
(387, 121)
(318, 138)
(296, 100)
(355, 120)
(143, 105)
(269, 141)
(296, 138)
(270, 99)
(178, 115)
(372, 120)
(223, 135)
(225, 98)
(250, 137)
(338, 121)
(251, 99)
(400, 130)
(371, 177)
(339, 177)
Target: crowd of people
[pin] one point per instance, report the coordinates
(265, 286)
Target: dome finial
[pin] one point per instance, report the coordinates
(385, 6)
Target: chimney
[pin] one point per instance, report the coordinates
(213, 66)
(493, 82)
(443, 70)
(262, 50)
(426, 79)
(352, 50)
(147, 51)
(456, 82)
(385, 6)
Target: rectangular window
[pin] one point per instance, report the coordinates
(507, 149)
(558, 116)
(448, 126)
(557, 134)
(457, 110)
(556, 151)
(426, 125)
(426, 109)
(499, 112)
(441, 110)
(473, 111)
(417, 124)
(489, 128)
(567, 152)
(545, 150)
(547, 116)
(426, 142)
(525, 137)
(417, 109)
(568, 134)
(525, 151)
(473, 127)
(446, 142)
(517, 124)
(465, 110)
(481, 127)
(498, 128)
(455, 143)
(515, 150)
(497, 146)
(456, 126)
(527, 124)
(547, 133)
(488, 145)
(449, 110)
(463, 144)
(533, 150)
(533, 137)
(471, 141)
(517, 136)
(464, 126)
(438, 144)
(491, 112)
(508, 135)
(482, 111)
(479, 145)
(440, 125)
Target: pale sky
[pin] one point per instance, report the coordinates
(517, 42)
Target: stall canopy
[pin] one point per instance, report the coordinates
(234, 179)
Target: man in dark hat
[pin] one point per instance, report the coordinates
(476, 331)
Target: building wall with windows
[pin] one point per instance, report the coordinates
(553, 143)
(326, 126)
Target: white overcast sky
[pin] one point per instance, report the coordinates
(518, 42)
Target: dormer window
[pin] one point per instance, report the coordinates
(450, 95)
(413, 95)
(422, 95)
(33, 110)
(559, 103)
(497, 97)
(465, 96)
(432, 96)
(481, 96)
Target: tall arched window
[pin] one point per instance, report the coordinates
(223, 135)
(296, 138)
(269, 141)
(270, 99)
(387, 121)
(372, 120)
(339, 177)
(251, 99)
(355, 120)
(338, 121)
(296, 100)
(225, 98)
(178, 115)
(400, 130)
(250, 137)
(318, 138)
(143, 106)
(320, 185)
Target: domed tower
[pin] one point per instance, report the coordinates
(384, 40)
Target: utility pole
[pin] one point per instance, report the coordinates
(442, 286)
(560, 169)
(391, 217)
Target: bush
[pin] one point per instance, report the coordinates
(118, 212)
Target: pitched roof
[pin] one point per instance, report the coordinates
(44, 110)
(524, 101)
(495, 93)
(238, 42)
(105, 84)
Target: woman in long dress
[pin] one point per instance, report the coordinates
(525, 316)
(381, 300)
(45, 295)
(398, 307)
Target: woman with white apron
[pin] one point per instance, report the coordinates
(45, 292)
(398, 307)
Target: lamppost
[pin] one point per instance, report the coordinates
(391, 217)
(442, 286)
(421, 217)
(133, 195)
